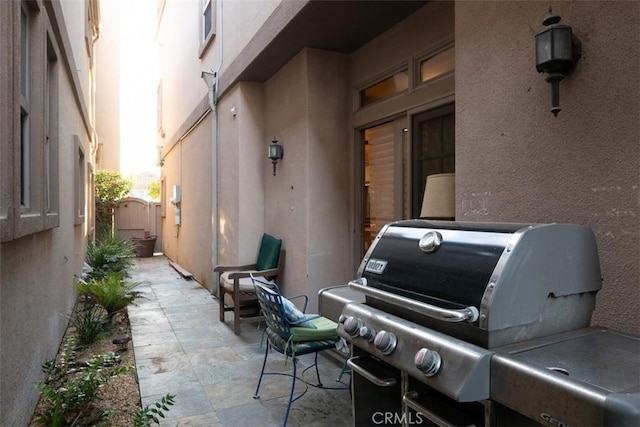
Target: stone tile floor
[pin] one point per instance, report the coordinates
(182, 348)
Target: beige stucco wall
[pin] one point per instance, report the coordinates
(37, 271)
(180, 65)
(242, 19)
(188, 164)
(515, 161)
(242, 162)
(306, 203)
(108, 81)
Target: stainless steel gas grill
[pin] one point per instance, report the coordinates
(441, 298)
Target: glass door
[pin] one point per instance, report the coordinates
(383, 177)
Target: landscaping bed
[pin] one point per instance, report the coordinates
(119, 398)
(92, 381)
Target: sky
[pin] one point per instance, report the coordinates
(138, 152)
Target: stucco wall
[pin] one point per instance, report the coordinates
(37, 274)
(329, 168)
(188, 165)
(179, 61)
(242, 162)
(242, 19)
(285, 104)
(306, 203)
(108, 86)
(516, 162)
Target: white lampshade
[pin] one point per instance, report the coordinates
(439, 200)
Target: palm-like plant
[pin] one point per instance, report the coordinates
(112, 292)
(109, 255)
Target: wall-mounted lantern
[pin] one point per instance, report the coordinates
(557, 52)
(276, 153)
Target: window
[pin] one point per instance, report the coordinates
(433, 135)
(207, 24)
(441, 63)
(30, 176)
(206, 19)
(50, 173)
(397, 83)
(25, 91)
(80, 181)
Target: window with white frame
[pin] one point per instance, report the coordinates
(207, 24)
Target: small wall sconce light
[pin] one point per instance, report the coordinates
(557, 53)
(275, 153)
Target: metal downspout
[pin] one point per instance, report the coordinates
(215, 220)
(213, 100)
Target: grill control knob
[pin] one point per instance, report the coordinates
(428, 361)
(352, 326)
(367, 333)
(386, 342)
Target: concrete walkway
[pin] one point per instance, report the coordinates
(182, 348)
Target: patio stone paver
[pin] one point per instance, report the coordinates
(182, 348)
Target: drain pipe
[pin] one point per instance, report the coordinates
(211, 79)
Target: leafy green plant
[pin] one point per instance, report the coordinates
(112, 292)
(110, 188)
(89, 322)
(150, 414)
(70, 388)
(109, 255)
(154, 190)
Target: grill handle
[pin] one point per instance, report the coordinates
(468, 314)
(409, 400)
(380, 382)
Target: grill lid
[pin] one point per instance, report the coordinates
(512, 274)
(449, 267)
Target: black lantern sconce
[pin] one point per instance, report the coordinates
(275, 153)
(557, 53)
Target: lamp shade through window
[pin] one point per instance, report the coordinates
(439, 200)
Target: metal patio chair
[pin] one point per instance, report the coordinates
(292, 333)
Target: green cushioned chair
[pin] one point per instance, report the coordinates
(236, 292)
(292, 338)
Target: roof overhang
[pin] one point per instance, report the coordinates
(340, 26)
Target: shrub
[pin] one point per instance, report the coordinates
(110, 187)
(70, 388)
(111, 292)
(154, 190)
(89, 322)
(150, 414)
(111, 255)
